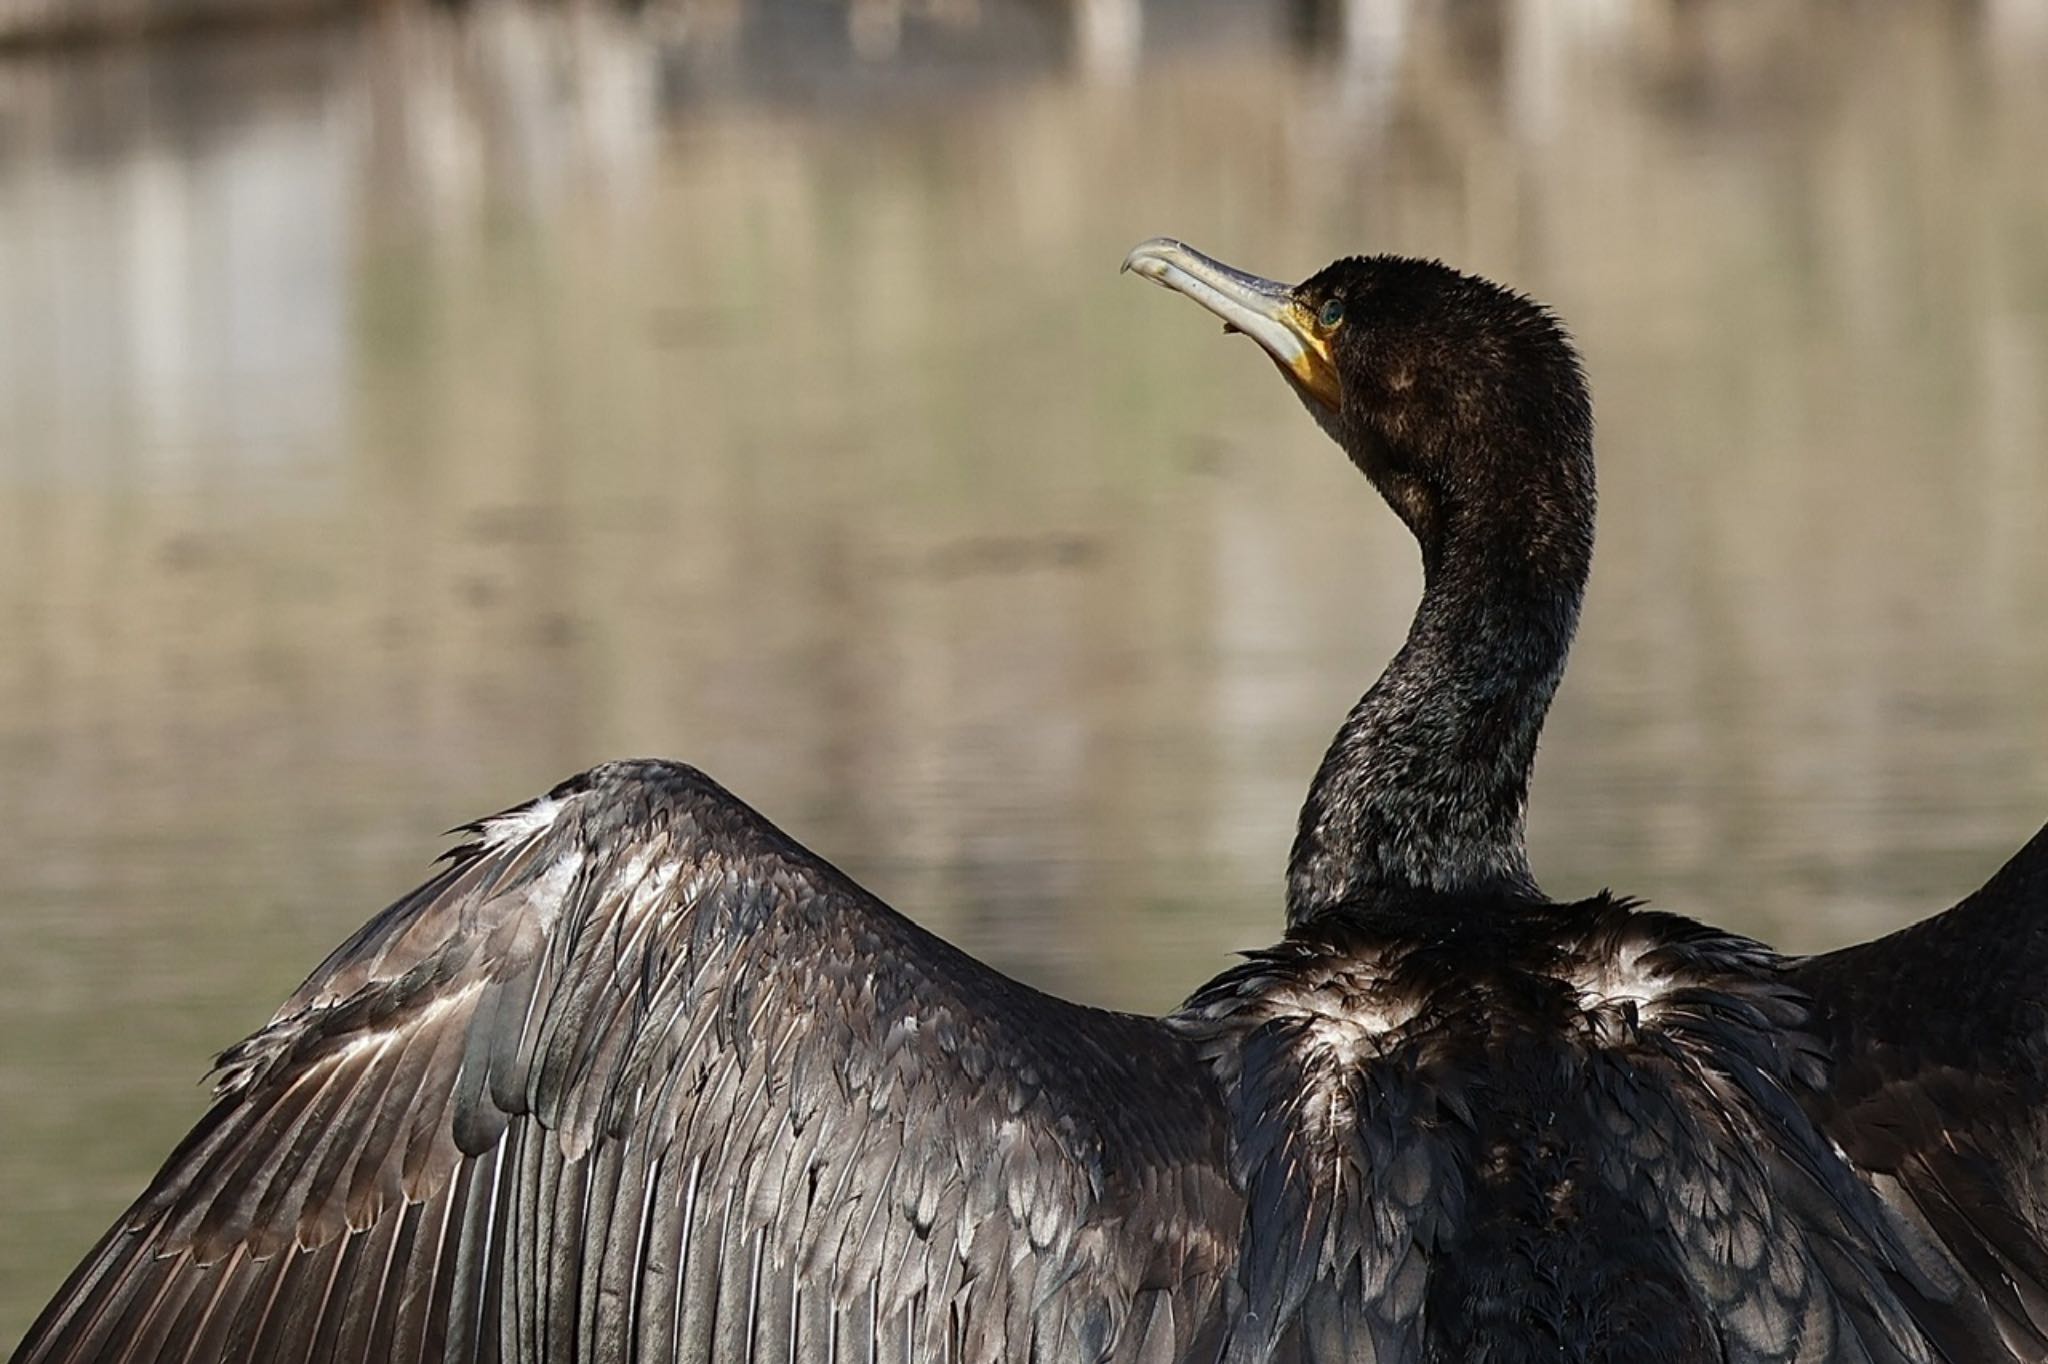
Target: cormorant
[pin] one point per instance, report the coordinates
(637, 1077)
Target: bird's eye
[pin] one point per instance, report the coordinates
(1332, 313)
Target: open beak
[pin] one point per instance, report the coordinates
(1265, 311)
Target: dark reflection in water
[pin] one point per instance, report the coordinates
(394, 420)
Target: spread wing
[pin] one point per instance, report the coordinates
(635, 1077)
(1939, 1035)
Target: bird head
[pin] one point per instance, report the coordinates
(1463, 401)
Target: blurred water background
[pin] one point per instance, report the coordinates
(401, 412)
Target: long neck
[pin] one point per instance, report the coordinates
(1426, 783)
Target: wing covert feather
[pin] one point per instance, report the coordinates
(636, 1077)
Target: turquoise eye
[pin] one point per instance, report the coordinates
(1332, 313)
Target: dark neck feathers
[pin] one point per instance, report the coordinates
(1426, 783)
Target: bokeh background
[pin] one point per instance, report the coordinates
(402, 410)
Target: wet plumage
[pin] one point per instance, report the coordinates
(636, 1077)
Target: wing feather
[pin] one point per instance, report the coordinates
(635, 1077)
(1939, 1094)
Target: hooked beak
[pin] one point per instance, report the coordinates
(1265, 311)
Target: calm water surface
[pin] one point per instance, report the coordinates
(395, 420)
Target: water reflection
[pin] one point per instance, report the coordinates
(395, 419)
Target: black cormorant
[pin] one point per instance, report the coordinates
(636, 1077)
